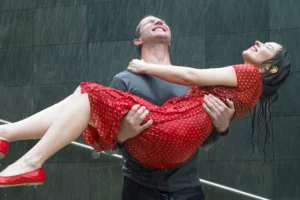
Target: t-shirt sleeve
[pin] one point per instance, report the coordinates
(248, 90)
(119, 84)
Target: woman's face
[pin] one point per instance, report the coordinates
(261, 52)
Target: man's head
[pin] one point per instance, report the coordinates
(151, 30)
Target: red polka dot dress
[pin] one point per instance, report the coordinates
(180, 125)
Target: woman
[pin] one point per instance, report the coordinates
(266, 68)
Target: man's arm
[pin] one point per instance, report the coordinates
(119, 84)
(131, 125)
(220, 115)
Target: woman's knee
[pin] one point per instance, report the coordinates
(91, 122)
(78, 90)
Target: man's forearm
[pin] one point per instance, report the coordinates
(120, 138)
(222, 132)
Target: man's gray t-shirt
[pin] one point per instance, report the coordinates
(156, 91)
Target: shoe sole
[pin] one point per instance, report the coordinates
(2, 155)
(23, 184)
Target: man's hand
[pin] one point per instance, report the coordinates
(219, 113)
(131, 124)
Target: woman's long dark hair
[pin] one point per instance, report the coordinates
(261, 114)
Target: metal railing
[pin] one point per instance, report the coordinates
(78, 144)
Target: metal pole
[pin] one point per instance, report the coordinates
(232, 190)
(201, 180)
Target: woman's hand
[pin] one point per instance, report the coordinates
(137, 66)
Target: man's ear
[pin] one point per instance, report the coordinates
(138, 42)
(170, 44)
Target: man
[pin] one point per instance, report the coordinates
(153, 38)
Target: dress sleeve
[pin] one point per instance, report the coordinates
(248, 90)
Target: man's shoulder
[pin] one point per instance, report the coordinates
(127, 74)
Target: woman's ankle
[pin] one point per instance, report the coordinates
(32, 161)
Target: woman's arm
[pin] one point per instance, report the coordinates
(224, 76)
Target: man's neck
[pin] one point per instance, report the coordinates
(156, 54)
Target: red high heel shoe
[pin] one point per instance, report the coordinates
(36, 177)
(3, 148)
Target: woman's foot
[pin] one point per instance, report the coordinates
(36, 177)
(17, 168)
(20, 173)
(27, 163)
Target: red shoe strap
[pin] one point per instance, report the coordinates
(3, 147)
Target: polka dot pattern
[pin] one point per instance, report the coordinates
(180, 126)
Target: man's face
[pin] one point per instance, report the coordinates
(154, 29)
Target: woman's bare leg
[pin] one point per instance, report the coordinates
(33, 127)
(68, 126)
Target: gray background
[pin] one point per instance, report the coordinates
(48, 46)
